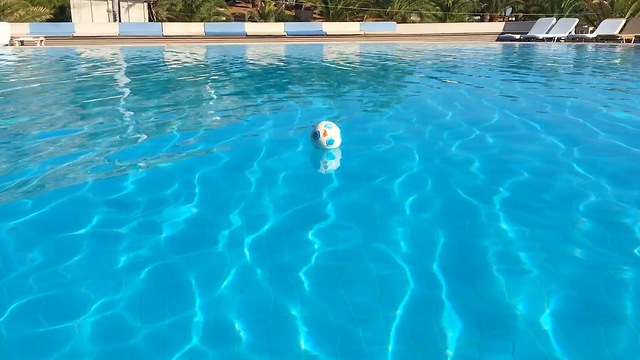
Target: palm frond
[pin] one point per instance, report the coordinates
(341, 10)
(451, 10)
(192, 10)
(21, 11)
(403, 11)
(598, 10)
(268, 11)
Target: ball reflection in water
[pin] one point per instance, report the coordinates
(326, 161)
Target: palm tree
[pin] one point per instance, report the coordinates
(451, 10)
(402, 11)
(599, 10)
(555, 8)
(22, 11)
(268, 11)
(192, 10)
(340, 10)
(60, 9)
(492, 9)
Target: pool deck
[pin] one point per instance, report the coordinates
(205, 40)
(177, 40)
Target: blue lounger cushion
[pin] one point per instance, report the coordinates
(140, 29)
(52, 29)
(224, 29)
(303, 28)
(378, 26)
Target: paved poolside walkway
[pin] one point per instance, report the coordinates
(175, 40)
(200, 40)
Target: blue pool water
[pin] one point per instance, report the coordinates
(165, 203)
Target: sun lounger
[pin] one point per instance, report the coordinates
(560, 31)
(606, 27)
(630, 32)
(541, 27)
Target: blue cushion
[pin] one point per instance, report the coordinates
(52, 29)
(140, 29)
(303, 28)
(378, 26)
(224, 29)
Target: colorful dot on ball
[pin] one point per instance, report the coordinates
(326, 135)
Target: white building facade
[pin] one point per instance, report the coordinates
(105, 11)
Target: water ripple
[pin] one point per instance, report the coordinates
(164, 202)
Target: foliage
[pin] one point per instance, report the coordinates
(192, 10)
(341, 10)
(268, 11)
(598, 10)
(555, 8)
(451, 10)
(493, 9)
(403, 11)
(61, 9)
(22, 11)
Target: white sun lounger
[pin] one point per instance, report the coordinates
(541, 27)
(560, 30)
(630, 32)
(606, 27)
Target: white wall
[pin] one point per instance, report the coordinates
(102, 26)
(134, 11)
(5, 33)
(19, 29)
(96, 11)
(465, 28)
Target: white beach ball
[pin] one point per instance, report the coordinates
(326, 135)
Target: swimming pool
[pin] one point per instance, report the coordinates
(160, 203)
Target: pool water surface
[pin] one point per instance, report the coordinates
(166, 202)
